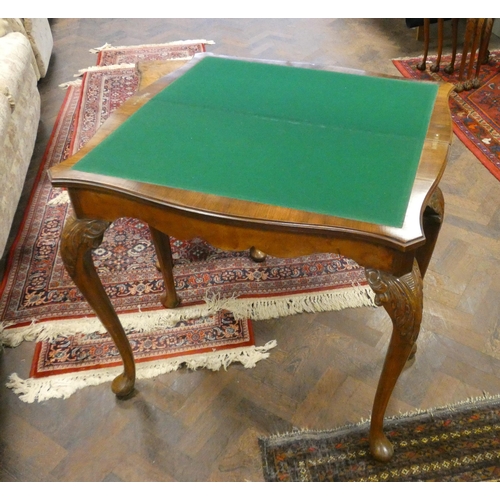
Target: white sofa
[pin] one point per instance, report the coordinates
(25, 48)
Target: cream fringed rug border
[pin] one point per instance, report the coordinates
(242, 308)
(32, 389)
(277, 288)
(62, 386)
(35, 389)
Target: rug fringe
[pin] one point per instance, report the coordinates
(73, 83)
(276, 307)
(365, 422)
(81, 72)
(96, 50)
(32, 390)
(451, 406)
(61, 199)
(178, 42)
(13, 337)
(241, 308)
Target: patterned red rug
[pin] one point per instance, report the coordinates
(457, 443)
(475, 112)
(220, 291)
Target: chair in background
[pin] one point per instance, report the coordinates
(436, 66)
(474, 53)
(477, 39)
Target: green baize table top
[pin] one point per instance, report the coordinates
(334, 143)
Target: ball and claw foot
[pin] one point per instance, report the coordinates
(122, 386)
(381, 448)
(449, 69)
(422, 66)
(476, 83)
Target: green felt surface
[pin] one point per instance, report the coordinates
(326, 142)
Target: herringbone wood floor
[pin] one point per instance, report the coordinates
(203, 426)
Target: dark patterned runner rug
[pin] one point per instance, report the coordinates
(475, 112)
(457, 443)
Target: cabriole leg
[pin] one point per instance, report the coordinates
(79, 237)
(432, 222)
(161, 242)
(402, 298)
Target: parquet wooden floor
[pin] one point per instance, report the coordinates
(203, 426)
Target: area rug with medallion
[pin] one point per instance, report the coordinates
(221, 292)
(459, 443)
(475, 112)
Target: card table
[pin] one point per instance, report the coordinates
(287, 158)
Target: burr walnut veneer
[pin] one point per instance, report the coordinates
(289, 158)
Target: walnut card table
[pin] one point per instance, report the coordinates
(289, 158)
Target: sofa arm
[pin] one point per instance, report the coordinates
(40, 36)
(15, 64)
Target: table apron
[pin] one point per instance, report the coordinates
(231, 234)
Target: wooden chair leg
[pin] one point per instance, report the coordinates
(486, 40)
(423, 64)
(435, 66)
(469, 34)
(476, 42)
(454, 36)
(419, 34)
(483, 55)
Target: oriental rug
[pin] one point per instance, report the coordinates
(220, 291)
(475, 112)
(457, 443)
